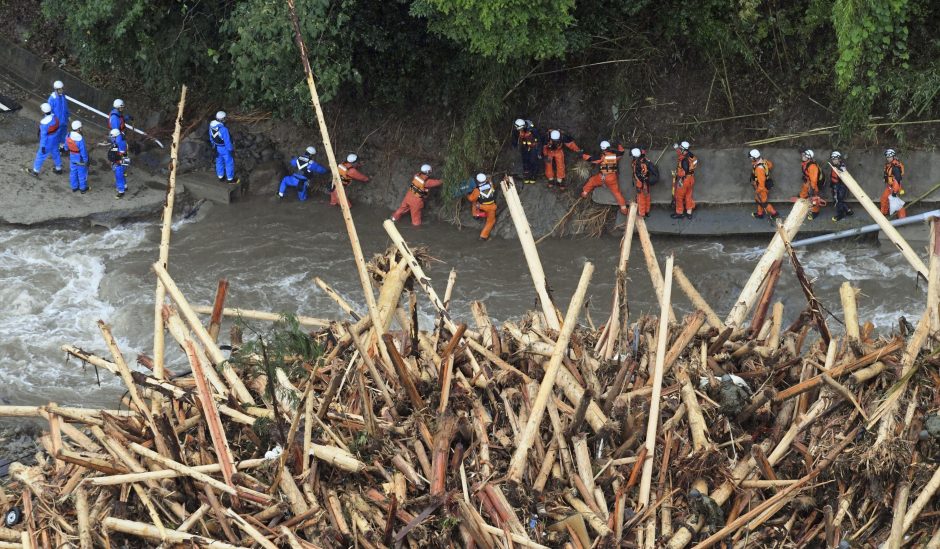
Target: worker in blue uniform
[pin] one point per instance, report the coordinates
(78, 158)
(304, 166)
(116, 118)
(117, 156)
(222, 141)
(48, 133)
(60, 107)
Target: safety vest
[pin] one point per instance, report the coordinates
(691, 162)
(417, 184)
(765, 165)
(215, 134)
(487, 193)
(889, 170)
(343, 169)
(609, 162)
(834, 178)
(72, 145)
(53, 126)
(120, 117)
(527, 139)
(805, 168)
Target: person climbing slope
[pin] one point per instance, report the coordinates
(304, 167)
(418, 189)
(348, 172)
(608, 162)
(483, 198)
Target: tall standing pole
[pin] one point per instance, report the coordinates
(159, 344)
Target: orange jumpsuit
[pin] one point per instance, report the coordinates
(894, 173)
(810, 187)
(608, 164)
(483, 198)
(414, 198)
(760, 174)
(347, 174)
(685, 182)
(641, 180)
(554, 154)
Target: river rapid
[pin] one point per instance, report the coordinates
(56, 283)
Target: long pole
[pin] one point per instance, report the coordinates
(883, 222)
(866, 229)
(159, 345)
(128, 126)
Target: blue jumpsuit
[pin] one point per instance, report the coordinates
(305, 168)
(48, 144)
(116, 120)
(60, 108)
(222, 141)
(119, 146)
(78, 156)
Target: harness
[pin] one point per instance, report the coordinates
(687, 162)
(120, 117)
(527, 139)
(889, 171)
(609, 162)
(72, 145)
(641, 170)
(487, 193)
(343, 169)
(417, 185)
(114, 152)
(53, 126)
(805, 169)
(215, 134)
(766, 165)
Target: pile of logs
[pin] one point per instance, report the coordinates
(538, 433)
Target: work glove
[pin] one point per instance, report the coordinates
(61, 148)
(42, 150)
(901, 192)
(128, 118)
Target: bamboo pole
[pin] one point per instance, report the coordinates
(883, 222)
(662, 338)
(546, 388)
(151, 532)
(652, 264)
(169, 473)
(213, 351)
(262, 315)
(529, 250)
(163, 254)
(775, 251)
(620, 287)
(933, 281)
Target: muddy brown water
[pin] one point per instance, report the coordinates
(56, 283)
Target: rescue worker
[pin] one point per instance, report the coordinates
(48, 133)
(305, 166)
(686, 164)
(641, 180)
(483, 198)
(811, 178)
(78, 159)
(221, 139)
(554, 154)
(417, 192)
(608, 162)
(527, 140)
(116, 118)
(348, 172)
(894, 174)
(117, 156)
(839, 190)
(60, 107)
(762, 183)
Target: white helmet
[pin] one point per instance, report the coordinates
(890, 153)
(808, 153)
(481, 178)
(754, 154)
(58, 85)
(835, 154)
(684, 145)
(519, 123)
(635, 152)
(311, 151)
(605, 145)
(352, 158)
(46, 108)
(214, 123)
(220, 116)
(118, 103)
(555, 134)
(77, 125)
(114, 132)
(425, 168)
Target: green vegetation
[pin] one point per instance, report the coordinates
(468, 59)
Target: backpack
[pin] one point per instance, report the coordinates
(653, 173)
(820, 180)
(769, 181)
(114, 154)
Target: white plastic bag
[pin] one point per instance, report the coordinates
(894, 204)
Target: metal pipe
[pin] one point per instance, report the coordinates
(866, 229)
(96, 111)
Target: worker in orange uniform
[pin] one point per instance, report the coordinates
(417, 191)
(554, 154)
(348, 172)
(608, 162)
(762, 183)
(686, 163)
(894, 174)
(641, 180)
(528, 141)
(483, 198)
(812, 175)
